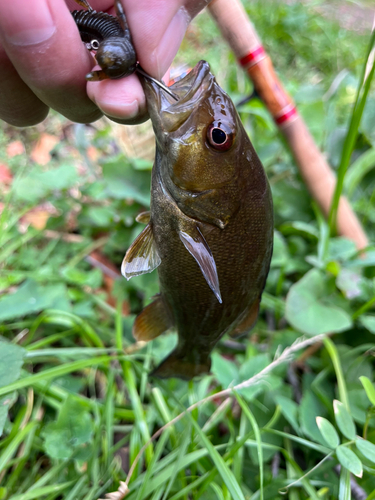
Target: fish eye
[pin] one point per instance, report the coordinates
(220, 136)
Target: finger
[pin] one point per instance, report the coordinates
(19, 106)
(99, 5)
(43, 44)
(157, 28)
(122, 100)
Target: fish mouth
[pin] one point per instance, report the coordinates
(166, 112)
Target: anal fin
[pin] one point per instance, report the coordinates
(248, 321)
(152, 321)
(142, 256)
(198, 247)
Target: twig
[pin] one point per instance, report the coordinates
(307, 354)
(111, 273)
(68, 237)
(294, 382)
(275, 465)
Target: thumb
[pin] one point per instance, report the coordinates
(158, 27)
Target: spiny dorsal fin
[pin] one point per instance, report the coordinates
(144, 217)
(198, 247)
(152, 321)
(142, 256)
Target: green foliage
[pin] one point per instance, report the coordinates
(349, 460)
(11, 361)
(77, 407)
(328, 432)
(36, 184)
(122, 181)
(369, 388)
(73, 428)
(31, 298)
(308, 306)
(344, 420)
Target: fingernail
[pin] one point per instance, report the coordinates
(39, 28)
(171, 41)
(119, 110)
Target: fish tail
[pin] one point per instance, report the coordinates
(182, 366)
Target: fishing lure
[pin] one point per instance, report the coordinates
(111, 40)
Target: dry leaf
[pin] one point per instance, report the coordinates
(92, 153)
(41, 151)
(5, 174)
(38, 216)
(15, 148)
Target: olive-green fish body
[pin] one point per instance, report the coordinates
(210, 227)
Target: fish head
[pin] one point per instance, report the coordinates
(198, 136)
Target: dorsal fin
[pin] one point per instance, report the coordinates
(198, 247)
(152, 321)
(142, 256)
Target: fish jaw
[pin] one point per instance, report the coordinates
(166, 114)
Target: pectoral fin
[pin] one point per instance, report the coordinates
(248, 321)
(144, 217)
(142, 257)
(198, 247)
(152, 321)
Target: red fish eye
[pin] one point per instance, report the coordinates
(219, 136)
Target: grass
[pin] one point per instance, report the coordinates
(76, 405)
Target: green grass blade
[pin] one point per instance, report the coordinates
(67, 320)
(50, 476)
(10, 450)
(333, 354)
(73, 494)
(181, 453)
(356, 172)
(190, 487)
(142, 492)
(55, 489)
(163, 470)
(239, 457)
(217, 490)
(345, 492)
(224, 471)
(140, 418)
(362, 93)
(108, 418)
(258, 438)
(54, 373)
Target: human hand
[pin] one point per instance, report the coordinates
(43, 61)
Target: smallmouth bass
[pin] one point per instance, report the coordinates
(210, 228)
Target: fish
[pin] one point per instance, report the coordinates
(209, 231)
